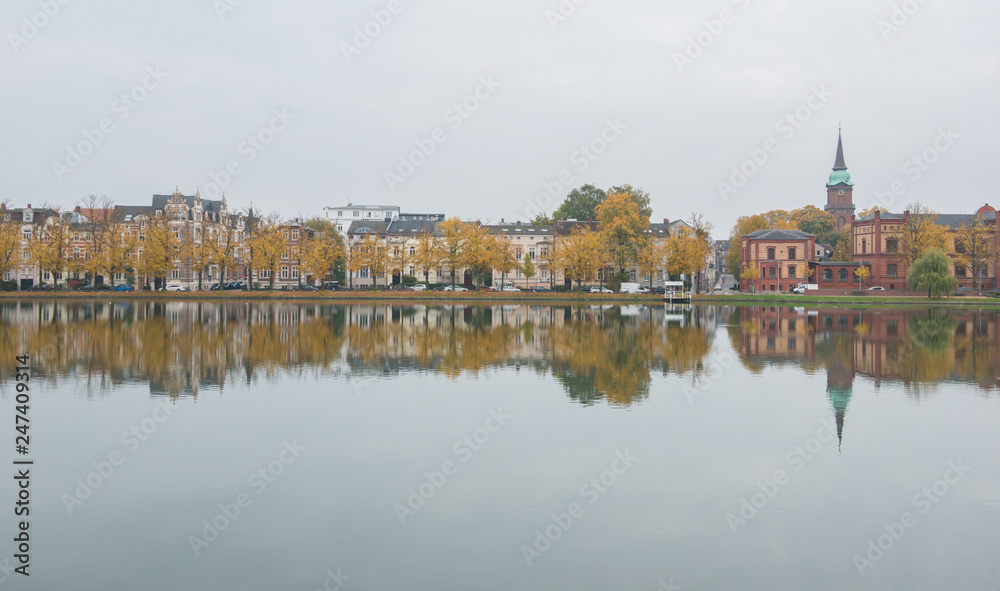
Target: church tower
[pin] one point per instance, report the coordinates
(840, 190)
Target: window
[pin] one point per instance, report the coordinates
(175, 274)
(960, 271)
(284, 272)
(365, 272)
(357, 214)
(531, 253)
(413, 271)
(791, 343)
(770, 254)
(340, 213)
(890, 270)
(770, 273)
(842, 275)
(791, 272)
(284, 256)
(295, 234)
(791, 324)
(265, 274)
(791, 254)
(864, 246)
(26, 234)
(295, 272)
(518, 254)
(413, 252)
(827, 274)
(892, 246)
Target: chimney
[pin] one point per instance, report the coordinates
(501, 220)
(518, 222)
(29, 206)
(878, 214)
(665, 221)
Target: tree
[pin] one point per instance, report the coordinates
(622, 229)
(744, 225)
(842, 251)
(10, 243)
(932, 272)
(354, 259)
(323, 248)
(918, 233)
(375, 257)
(871, 211)
(813, 220)
(779, 219)
(640, 197)
(452, 244)
(504, 261)
(267, 243)
(751, 273)
(581, 204)
(542, 219)
(50, 247)
(399, 255)
(225, 244)
(159, 247)
(974, 243)
(478, 255)
(528, 268)
(582, 254)
(199, 253)
(653, 257)
(862, 273)
(428, 254)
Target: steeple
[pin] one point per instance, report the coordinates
(840, 188)
(839, 164)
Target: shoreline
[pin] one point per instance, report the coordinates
(484, 297)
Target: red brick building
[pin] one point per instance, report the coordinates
(783, 257)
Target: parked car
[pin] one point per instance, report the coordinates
(510, 288)
(876, 288)
(600, 289)
(332, 286)
(92, 287)
(400, 287)
(174, 287)
(215, 287)
(123, 287)
(658, 290)
(450, 288)
(735, 287)
(418, 287)
(718, 288)
(540, 289)
(235, 285)
(305, 287)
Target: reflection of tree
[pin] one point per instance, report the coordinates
(180, 347)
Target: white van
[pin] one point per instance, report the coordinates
(633, 288)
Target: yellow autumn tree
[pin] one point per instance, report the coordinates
(622, 229)
(428, 255)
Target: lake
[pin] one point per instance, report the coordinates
(272, 446)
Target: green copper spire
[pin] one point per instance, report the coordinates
(840, 176)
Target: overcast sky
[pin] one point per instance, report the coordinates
(673, 96)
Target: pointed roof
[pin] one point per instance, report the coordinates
(840, 164)
(840, 176)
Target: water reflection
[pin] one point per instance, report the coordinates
(606, 354)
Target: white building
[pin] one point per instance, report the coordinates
(343, 216)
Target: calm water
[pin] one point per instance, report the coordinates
(224, 446)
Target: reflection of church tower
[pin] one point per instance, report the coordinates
(840, 189)
(839, 398)
(840, 381)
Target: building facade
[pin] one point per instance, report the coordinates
(780, 257)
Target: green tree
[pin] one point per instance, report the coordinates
(813, 220)
(542, 219)
(842, 251)
(933, 273)
(528, 268)
(581, 204)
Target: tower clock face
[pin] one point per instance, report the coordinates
(841, 192)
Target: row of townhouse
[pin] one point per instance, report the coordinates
(191, 220)
(400, 232)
